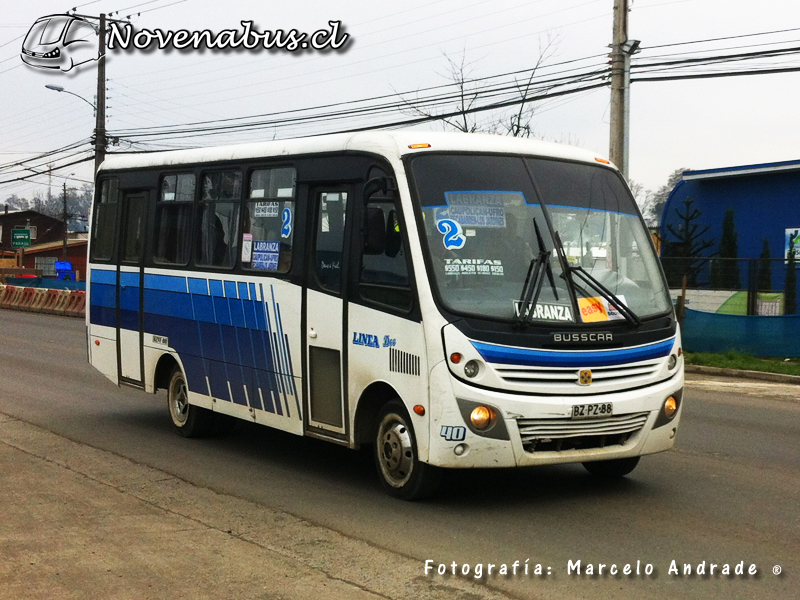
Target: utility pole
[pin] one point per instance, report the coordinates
(617, 150)
(66, 228)
(621, 51)
(100, 121)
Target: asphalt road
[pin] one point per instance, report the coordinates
(728, 493)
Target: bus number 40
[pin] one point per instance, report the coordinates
(453, 434)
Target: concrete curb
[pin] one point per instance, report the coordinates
(760, 375)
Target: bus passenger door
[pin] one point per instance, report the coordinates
(129, 286)
(326, 311)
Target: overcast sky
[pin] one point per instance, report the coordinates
(401, 47)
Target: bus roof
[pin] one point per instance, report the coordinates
(392, 144)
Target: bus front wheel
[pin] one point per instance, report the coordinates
(189, 421)
(612, 469)
(402, 474)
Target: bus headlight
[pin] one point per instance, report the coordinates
(482, 417)
(672, 361)
(472, 368)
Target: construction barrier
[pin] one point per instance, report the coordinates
(50, 301)
(24, 298)
(38, 300)
(61, 302)
(58, 302)
(77, 304)
(12, 296)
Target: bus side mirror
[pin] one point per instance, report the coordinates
(375, 231)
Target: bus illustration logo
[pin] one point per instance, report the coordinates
(585, 377)
(60, 42)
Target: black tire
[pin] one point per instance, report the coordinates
(189, 421)
(612, 469)
(396, 459)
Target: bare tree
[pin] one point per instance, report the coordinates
(518, 122)
(461, 115)
(468, 90)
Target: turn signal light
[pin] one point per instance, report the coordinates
(420, 410)
(455, 358)
(482, 417)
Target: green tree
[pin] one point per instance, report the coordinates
(765, 269)
(725, 273)
(790, 288)
(684, 253)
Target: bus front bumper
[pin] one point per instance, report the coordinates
(539, 430)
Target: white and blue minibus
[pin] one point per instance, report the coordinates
(449, 300)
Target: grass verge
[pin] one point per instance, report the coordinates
(735, 360)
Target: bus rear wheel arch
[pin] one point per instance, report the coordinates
(188, 420)
(401, 472)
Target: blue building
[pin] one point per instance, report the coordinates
(765, 200)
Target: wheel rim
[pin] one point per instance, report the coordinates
(395, 450)
(179, 401)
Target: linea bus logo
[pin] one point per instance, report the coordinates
(366, 339)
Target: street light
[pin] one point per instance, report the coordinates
(59, 88)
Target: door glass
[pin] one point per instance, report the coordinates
(331, 214)
(133, 241)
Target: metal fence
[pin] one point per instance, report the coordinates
(730, 286)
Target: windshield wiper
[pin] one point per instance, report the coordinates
(612, 299)
(533, 280)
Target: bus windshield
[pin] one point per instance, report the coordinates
(490, 221)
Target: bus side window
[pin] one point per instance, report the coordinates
(268, 222)
(173, 234)
(105, 220)
(384, 277)
(218, 219)
(330, 239)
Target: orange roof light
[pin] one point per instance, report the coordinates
(417, 146)
(603, 160)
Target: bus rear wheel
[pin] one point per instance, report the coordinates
(402, 474)
(189, 421)
(612, 469)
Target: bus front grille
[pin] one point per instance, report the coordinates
(549, 435)
(622, 375)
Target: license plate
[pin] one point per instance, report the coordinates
(592, 411)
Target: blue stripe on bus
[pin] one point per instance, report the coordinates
(237, 312)
(103, 294)
(167, 283)
(129, 279)
(203, 307)
(198, 286)
(221, 331)
(103, 276)
(505, 355)
(215, 287)
(168, 304)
